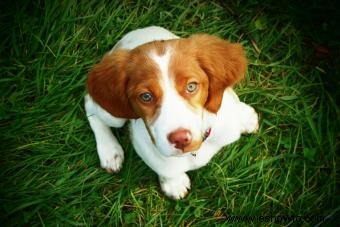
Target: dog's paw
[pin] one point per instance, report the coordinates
(111, 158)
(250, 119)
(176, 187)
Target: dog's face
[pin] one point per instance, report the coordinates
(170, 85)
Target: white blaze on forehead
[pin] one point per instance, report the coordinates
(163, 62)
(172, 101)
(174, 112)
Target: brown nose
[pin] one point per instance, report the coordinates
(180, 137)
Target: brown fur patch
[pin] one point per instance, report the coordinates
(223, 62)
(107, 82)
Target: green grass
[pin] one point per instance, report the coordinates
(50, 173)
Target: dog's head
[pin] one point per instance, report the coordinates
(170, 85)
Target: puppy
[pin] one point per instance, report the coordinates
(177, 94)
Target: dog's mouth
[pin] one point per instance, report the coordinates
(172, 151)
(192, 148)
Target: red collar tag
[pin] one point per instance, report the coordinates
(206, 134)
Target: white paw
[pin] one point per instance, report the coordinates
(111, 157)
(176, 187)
(250, 121)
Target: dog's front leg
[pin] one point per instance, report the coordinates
(175, 187)
(249, 118)
(110, 152)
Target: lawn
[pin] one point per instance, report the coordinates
(50, 172)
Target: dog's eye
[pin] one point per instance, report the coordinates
(191, 87)
(146, 97)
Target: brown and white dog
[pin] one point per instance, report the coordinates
(177, 94)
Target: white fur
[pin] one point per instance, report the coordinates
(232, 119)
(138, 37)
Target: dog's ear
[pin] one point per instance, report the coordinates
(223, 62)
(107, 83)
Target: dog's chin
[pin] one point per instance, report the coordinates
(171, 152)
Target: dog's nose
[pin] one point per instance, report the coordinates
(180, 137)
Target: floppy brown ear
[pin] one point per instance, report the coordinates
(107, 83)
(223, 62)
